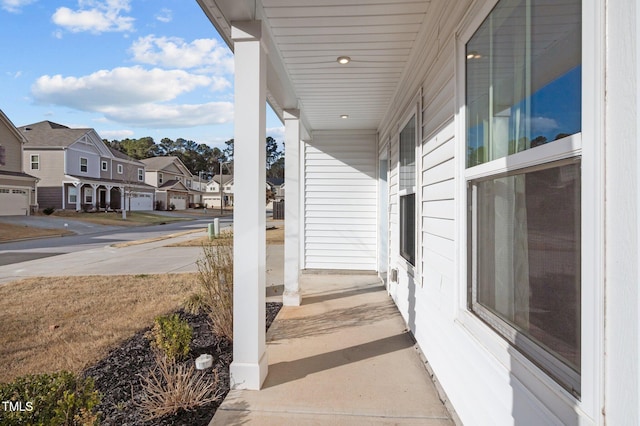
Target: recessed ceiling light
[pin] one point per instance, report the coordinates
(343, 60)
(344, 116)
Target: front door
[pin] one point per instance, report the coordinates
(102, 199)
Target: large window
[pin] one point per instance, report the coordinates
(523, 92)
(408, 191)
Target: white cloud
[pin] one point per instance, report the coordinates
(15, 6)
(165, 15)
(276, 132)
(135, 96)
(175, 52)
(169, 116)
(118, 87)
(95, 16)
(14, 75)
(116, 134)
(542, 124)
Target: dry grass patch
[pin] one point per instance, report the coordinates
(55, 323)
(115, 219)
(10, 232)
(274, 236)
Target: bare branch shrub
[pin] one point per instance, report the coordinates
(215, 276)
(172, 386)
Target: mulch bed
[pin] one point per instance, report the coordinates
(117, 376)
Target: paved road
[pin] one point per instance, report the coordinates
(95, 254)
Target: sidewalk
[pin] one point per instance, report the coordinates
(342, 358)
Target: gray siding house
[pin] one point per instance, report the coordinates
(78, 171)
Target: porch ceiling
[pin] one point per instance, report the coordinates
(307, 36)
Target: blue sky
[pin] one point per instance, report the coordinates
(127, 68)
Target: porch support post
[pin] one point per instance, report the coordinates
(249, 367)
(291, 295)
(94, 197)
(108, 196)
(79, 196)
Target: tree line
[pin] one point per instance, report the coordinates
(198, 157)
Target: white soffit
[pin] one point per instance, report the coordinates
(377, 35)
(309, 35)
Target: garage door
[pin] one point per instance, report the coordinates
(14, 202)
(180, 201)
(141, 202)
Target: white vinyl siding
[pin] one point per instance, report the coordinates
(340, 202)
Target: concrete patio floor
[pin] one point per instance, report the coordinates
(342, 358)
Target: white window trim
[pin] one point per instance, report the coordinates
(87, 192)
(86, 165)
(69, 194)
(120, 169)
(160, 178)
(104, 166)
(140, 175)
(413, 109)
(31, 162)
(589, 143)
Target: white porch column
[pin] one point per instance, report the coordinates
(108, 196)
(94, 197)
(79, 196)
(249, 367)
(291, 295)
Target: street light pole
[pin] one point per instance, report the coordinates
(221, 200)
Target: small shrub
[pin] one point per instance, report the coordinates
(194, 304)
(170, 387)
(48, 210)
(215, 276)
(172, 335)
(50, 399)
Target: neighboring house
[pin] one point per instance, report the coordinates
(78, 171)
(211, 197)
(276, 186)
(18, 191)
(173, 181)
(482, 157)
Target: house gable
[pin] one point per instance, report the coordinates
(11, 142)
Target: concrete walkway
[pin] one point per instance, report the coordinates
(342, 358)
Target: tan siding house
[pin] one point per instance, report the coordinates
(17, 188)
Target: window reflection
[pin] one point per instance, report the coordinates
(523, 78)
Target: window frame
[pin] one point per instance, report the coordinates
(87, 195)
(588, 143)
(72, 191)
(140, 175)
(104, 166)
(160, 178)
(411, 114)
(120, 169)
(84, 160)
(35, 162)
(3, 156)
